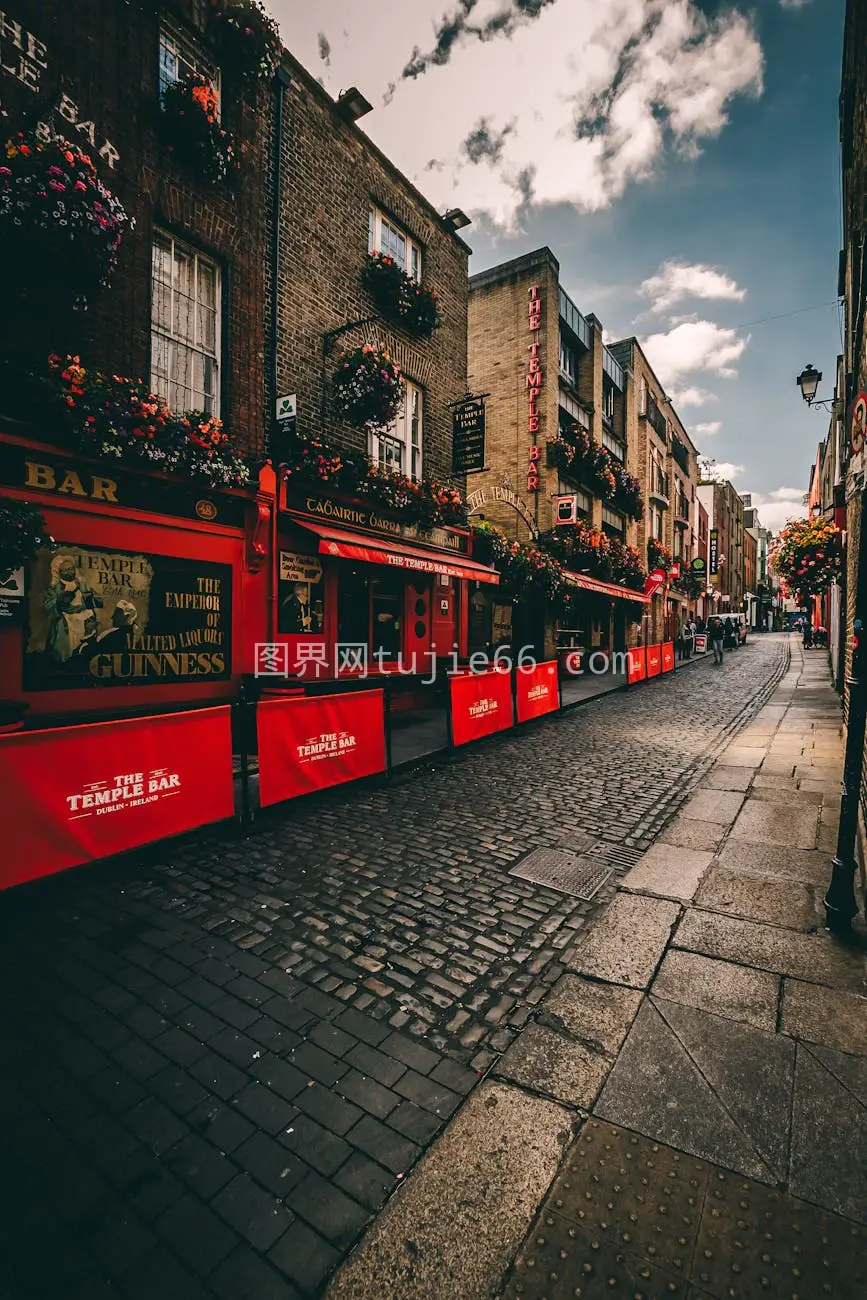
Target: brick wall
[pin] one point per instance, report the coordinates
(332, 174)
(99, 88)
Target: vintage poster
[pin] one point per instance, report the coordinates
(113, 618)
(302, 608)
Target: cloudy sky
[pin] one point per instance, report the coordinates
(679, 157)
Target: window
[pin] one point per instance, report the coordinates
(679, 551)
(568, 359)
(571, 410)
(185, 327)
(656, 523)
(385, 236)
(583, 500)
(399, 448)
(614, 445)
(613, 521)
(607, 399)
(179, 56)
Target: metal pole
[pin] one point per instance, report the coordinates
(840, 902)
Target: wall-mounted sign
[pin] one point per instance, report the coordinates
(301, 606)
(506, 494)
(110, 618)
(12, 596)
(654, 581)
(25, 59)
(468, 434)
(713, 551)
(699, 566)
(566, 509)
(858, 425)
(534, 389)
(325, 508)
(674, 571)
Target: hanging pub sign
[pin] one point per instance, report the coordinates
(12, 596)
(714, 552)
(468, 434)
(113, 618)
(699, 567)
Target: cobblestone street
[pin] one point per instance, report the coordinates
(222, 1055)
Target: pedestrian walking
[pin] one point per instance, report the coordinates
(688, 637)
(716, 632)
(808, 634)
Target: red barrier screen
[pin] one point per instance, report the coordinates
(637, 670)
(320, 740)
(668, 657)
(481, 704)
(537, 692)
(654, 660)
(79, 793)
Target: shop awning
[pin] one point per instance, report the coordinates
(610, 589)
(394, 552)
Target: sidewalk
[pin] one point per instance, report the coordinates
(695, 1085)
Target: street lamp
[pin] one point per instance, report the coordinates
(808, 382)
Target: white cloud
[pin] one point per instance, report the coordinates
(692, 395)
(707, 430)
(794, 4)
(721, 469)
(675, 281)
(579, 98)
(778, 507)
(692, 347)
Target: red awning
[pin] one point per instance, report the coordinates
(605, 588)
(394, 552)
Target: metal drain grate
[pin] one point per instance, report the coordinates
(580, 874)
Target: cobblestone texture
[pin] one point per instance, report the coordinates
(221, 1056)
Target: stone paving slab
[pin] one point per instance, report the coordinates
(656, 1089)
(765, 780)
(851, 1071)
(721, 777)
(829, 1141)
(756, 898)
(455, 1227)
(720, 987)
(627, 944)
(669, 872)
(548, 1062)
(822, 1015)
(629, 1217)
(690, 834)
(809, 867)
(749, 1070)
(721, 806)
(765, 823)
(743, 756)
(809, 957)
(598, 1014)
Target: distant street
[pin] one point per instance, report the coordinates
(221, 1056)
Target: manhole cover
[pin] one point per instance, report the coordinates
(580, 874)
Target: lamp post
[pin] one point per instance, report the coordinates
(840, 902)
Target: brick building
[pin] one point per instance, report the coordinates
(546, 371)
(667, 467)
(196, 244)
(725, 511)
(152, 530)
(365, 570)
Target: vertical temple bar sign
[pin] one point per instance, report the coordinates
(534, 388)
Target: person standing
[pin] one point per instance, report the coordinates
(688, 637)
(808, 634)
(716, 632)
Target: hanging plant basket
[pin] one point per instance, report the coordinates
(399, 297)
(367, 389)
(659, 556)
(22, 532)
(191, 129)
(249, 38)
(808, 556)
(59, 225)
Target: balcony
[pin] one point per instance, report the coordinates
(659, 488)
(656, 418)
(681, 509)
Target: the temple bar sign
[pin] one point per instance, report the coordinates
(469, 437)
(26, 59)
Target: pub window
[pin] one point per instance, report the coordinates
(386, 608)
(180, 56)
(399, 448)
(386, 236)
(185, 327)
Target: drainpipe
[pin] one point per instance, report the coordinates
(282, 81)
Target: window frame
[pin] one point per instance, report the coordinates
(188, 53)
(413, 264)
(410, 440)
(172, 338)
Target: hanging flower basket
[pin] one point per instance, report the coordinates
(367, 389)
(525, 569)
(22, 532)
(399, 297)
(249, 36)
(191, 128)
(659, 556)
(59, 225)
(110, 417)
(627, 494)
(808, 556)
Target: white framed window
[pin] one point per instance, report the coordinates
(179, 55)
(386, 236)
(568, 359)
(185, 327)
(614, 519)
(656, 523)
(399, 448)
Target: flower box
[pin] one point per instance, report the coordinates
(399, 297)
(191, 130)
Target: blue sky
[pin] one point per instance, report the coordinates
(680, 157)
